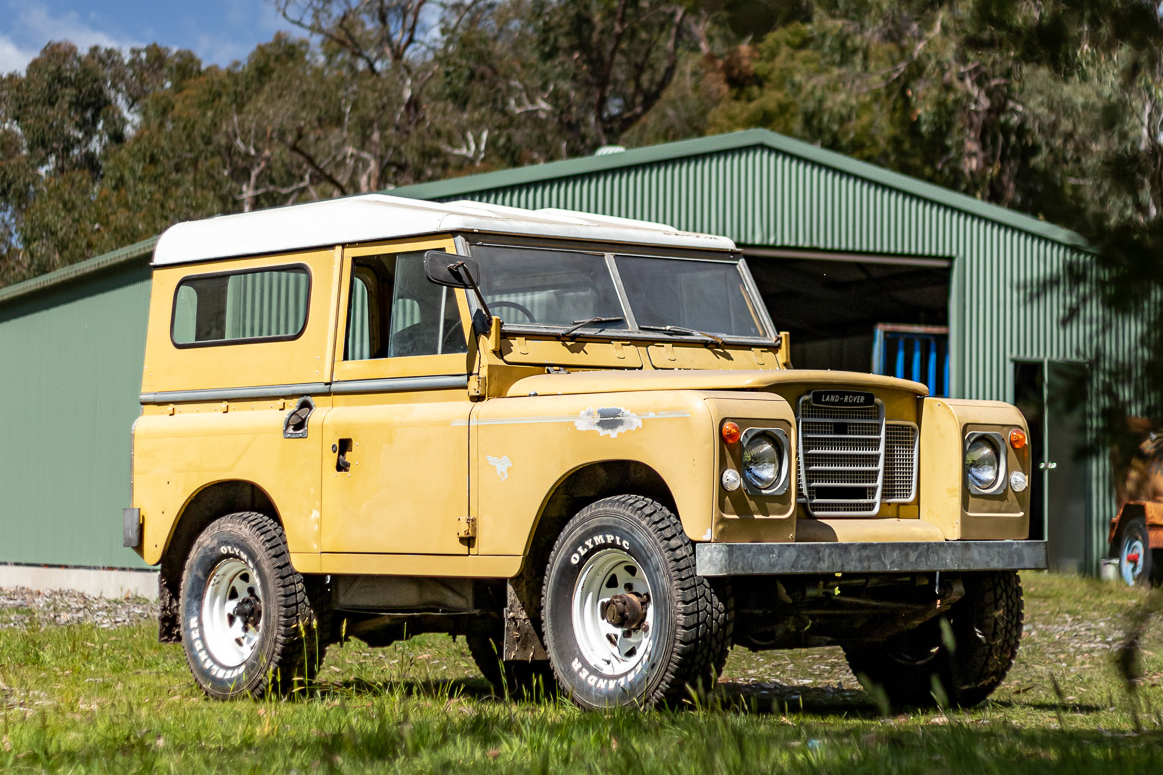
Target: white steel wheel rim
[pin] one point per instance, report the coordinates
(612, 650)
(1132, 569)
(230, 637)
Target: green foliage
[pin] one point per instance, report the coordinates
(103, 149)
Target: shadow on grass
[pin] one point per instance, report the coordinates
(757, 699)
(772, 697)
(466, 688)
(744, 698)
(1049, 707)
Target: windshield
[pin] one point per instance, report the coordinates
(578, 292)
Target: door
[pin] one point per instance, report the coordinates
(395, 471)
(1052, 396)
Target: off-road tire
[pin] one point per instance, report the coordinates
(1134, 531)
(693, 619)
(291, 640)
(514, 679)
(986, 628)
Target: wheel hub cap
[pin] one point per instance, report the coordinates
(232, 612)
(612, 612)
(1132, 561)
(626, 611)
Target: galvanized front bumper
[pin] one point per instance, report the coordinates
(905, 557)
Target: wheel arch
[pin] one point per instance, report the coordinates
(214, 500)
(574, 491)
(1130, 510)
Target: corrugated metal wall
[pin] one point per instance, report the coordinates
(72, 361)
(762, 197)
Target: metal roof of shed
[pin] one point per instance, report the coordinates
(80, 270)
(377, 216)
(751, 138)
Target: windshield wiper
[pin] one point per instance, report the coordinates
(683, 330)
(578, 324)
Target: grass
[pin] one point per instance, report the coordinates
(80, 699)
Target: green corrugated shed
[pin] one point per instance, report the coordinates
(72, 342)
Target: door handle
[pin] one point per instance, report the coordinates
(295, 423)
(342, 448)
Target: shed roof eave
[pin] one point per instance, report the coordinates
(523, 176)
(79, 270)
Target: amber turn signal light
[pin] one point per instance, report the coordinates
(1017, 438)
(731, 432)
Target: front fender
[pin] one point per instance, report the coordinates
(522, 448)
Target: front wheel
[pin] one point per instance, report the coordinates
(248, 627)
(627, 620)
(963, 656)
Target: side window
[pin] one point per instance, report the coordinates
(362, 311)
(395, 312)
(239, 307)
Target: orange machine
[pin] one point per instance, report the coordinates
(1136, 532)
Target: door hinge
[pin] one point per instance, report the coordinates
(477, 385)
(466, 527)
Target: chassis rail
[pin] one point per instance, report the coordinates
(864, 557)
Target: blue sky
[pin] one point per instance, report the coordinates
(219, 31)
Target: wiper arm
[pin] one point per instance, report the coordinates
(683, 330)
(579, 324)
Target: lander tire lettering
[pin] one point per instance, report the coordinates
(601, 683)
(597, 541)
(211, 669)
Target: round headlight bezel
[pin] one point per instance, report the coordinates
(779, 441)
(998, 446)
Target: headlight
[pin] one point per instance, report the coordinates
(762, 461)
(981, 463)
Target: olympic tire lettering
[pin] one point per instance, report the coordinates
(288, 646)
(637, 543)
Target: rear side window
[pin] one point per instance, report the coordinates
(229, 308)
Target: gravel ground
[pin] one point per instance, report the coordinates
(20, 606)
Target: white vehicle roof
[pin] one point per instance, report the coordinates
(372, 217)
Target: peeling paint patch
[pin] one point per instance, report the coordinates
(707, 535)
(608, 421)
(502, 464)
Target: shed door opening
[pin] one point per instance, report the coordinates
(857, 312)
(1047, 393)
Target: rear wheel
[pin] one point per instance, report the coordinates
(526, 680)
(627, 620)
(963, 656)
(248, 627)
(1135, 559)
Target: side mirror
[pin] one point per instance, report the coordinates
(458, 272)
(450, 269)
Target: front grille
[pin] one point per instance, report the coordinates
(841, 458)
(900, 462)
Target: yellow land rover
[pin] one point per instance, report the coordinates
(575, 440)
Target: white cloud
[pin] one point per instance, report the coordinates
(32, 25)
(40, 23)
(218, 31)
(13, 57)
